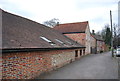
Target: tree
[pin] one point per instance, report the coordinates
(108, 36)
(116, 37)
(51, 23)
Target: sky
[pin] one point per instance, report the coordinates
(97, 12)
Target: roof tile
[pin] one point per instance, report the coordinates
(72, 27)
(19, 32)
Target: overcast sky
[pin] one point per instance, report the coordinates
(67, 11)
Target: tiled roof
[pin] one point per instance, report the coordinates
(98, 37)
(19, 32)
(72, 27)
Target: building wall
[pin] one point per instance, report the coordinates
(24, 65)
(28, 65)
(0, 65)
(83, 39)
(0, 43)
(93, 45)
(88, 41)
(93, 42)
(100, 46)
(61, 59)
(103, 46)
(79, 37)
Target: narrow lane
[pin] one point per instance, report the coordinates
(94, 66)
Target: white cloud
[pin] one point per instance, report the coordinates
(94, 11)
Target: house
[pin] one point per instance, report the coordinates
(97, 43)
(30, 48)
(78, 32)
(93, 45)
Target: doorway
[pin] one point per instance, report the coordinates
(76, 53)
(80, 52)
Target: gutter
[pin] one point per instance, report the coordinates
(34, 49)
(73, 32)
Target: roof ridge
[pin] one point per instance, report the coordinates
(74, 23)
(20, 16)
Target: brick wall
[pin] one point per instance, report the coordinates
(83, 39)
(103, 46)
(100, 46)
(79, 37)
(27, 65)
(24, 65)
(0, 65)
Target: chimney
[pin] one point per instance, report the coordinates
(57, 24)
(93, 32)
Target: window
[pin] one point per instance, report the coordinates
(59, 41)
(69, 42)
(47, 40)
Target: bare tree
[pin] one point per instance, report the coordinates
(51, 23)
(116, 35)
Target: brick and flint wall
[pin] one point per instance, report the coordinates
(24, 65)
(28, 65)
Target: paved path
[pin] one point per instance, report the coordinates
(94, 66)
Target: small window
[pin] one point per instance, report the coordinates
(47, 40)
(52, 43)
(68, 42)
(59, 41)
